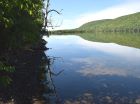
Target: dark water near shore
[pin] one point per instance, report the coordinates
(74, 71)
(93, 72)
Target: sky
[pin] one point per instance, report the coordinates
(77, 12)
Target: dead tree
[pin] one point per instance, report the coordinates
(48, 23)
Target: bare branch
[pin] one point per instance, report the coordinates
(53, 10)
(47, 23)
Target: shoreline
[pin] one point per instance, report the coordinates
(26, 84)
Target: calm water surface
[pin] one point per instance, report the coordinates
(107, 73)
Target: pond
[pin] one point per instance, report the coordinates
(94, 72)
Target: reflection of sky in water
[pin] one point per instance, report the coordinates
(96, 58)
(92, 66)
(68, 42)
(112, 48)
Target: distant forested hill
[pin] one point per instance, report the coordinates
(128, 23)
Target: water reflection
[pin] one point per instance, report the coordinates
(51, 95)
(94, 67)
(106, 71)
(25, 87)
(111, 48)
(30, 85)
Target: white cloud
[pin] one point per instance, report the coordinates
(129, 7)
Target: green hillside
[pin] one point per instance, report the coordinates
(128, 23)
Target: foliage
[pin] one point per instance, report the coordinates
(20, 22)
(5, 80)
(72, 31)
(4, 73)
(6, 68)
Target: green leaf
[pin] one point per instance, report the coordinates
(30, 12)
(5, 80)
(21, 6)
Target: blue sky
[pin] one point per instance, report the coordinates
(77, 12)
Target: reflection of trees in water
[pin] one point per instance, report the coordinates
(51, 95)
(32, 82)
